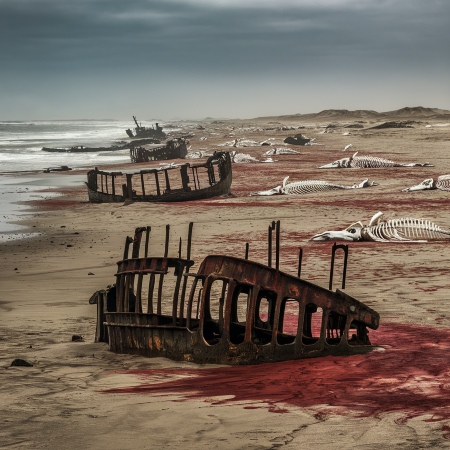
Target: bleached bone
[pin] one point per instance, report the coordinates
(310, 186)
(198, 154)
(242, 157)
(368, 162)
(281, 151)
(442, 183)
(405, 229)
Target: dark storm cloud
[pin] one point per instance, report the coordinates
(95, 45)
(217, 35)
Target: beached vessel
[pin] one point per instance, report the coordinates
(173, 149)
(230, 311)
(146, 132)
(171, 183)
(83, 149)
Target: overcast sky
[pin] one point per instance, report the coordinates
(167, 59)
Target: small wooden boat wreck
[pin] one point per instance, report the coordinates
(146, 132)
(173, 149)
(230, 311)
(173, 183)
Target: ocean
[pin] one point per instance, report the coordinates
(22, 160)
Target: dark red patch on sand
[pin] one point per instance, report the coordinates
(410, 375)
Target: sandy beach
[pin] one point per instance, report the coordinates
(81, 395)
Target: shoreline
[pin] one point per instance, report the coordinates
(65, 398)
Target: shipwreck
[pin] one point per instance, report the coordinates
(173, 149)
(230, 311)
(146, 132)
(171, 183)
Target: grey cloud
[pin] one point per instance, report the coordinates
(205, 41)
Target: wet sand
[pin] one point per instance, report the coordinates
(79, 394)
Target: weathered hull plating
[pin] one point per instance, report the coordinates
(174, 184)
(237, 312)
(172, 150)
(231, 311)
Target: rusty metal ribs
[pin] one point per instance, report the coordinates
(230, 311)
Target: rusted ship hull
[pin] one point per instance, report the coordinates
(146, 132)
(231, 311)
(172, 150)
(227, 340)
(173, 184)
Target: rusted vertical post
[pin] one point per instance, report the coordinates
(129, 186)
(300, 257)
(147, 239)
(113, 184)
(269, 246)
(128, 241)
(138, 306)
(158, 189)
(277, 246)
(189, 243)
(166, 175)
(151, 288)
(247, 246)
(179, 249)
(137, 242)
(185, 268)
(142, 183)
(166, 248)
(344, 274)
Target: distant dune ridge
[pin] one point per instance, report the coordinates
(417, 112)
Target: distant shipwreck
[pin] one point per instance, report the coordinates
(173, 149)
(170, 183)
(146, 132)
(230, 311)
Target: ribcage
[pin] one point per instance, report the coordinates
(371, 162)
(404, 229)
(310, 186)
(443, 183)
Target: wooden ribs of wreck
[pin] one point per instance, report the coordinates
(174, 149)
(178, 183)
(231, 311)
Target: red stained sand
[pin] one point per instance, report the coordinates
(409, 376)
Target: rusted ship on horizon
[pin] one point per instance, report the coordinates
(230, 311)
(172, 183)
(146, 132)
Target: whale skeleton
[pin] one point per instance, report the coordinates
(442, 183)
(310, 186)
(405, 229)
(368, 162)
